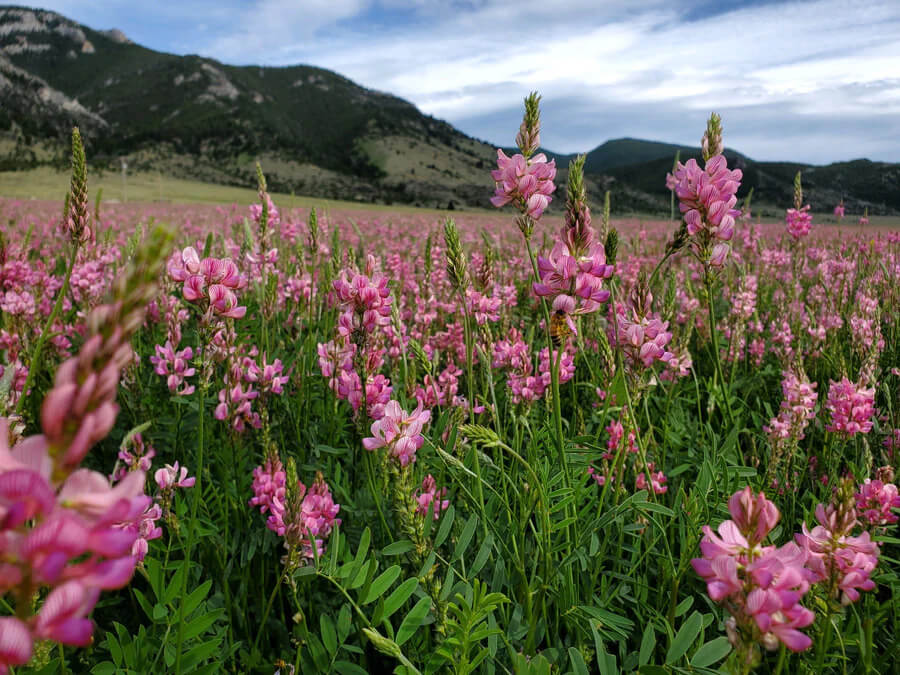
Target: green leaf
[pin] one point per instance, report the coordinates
(363, 547)
(712, 651)
(363, 575)
(343, 624)
(398, 548)
(578, 663)
(200, 653)
(446, 524)
(656, 507)
(684, 605)
(328, 633)
(684, 638)
(115, 650)
(648, 642)
(143, 602)
(174, 585)
(413, 620)
(201, 623)
(347, 668)
(481, 557)
(381, 584)
(196, 596)
(401, 594)
(653, 670)
(466, 537)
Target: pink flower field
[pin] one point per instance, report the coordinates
(542, 438)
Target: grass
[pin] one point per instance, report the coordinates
(47, 183)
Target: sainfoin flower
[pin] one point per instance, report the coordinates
(797, 408)
(875, 502)
(851, 406)
(400, 432)
(706, 198)
(211, 282)
(304, 517)
(430, 498)
(843, 562)
(760, 586)
(798, 221)
(175, 367)
(172, 476)
(269, 486)
(365, 299)
(527, 183)
(642, 338)
(574, 279)
(65, 528)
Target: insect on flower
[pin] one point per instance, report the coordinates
(559, 327)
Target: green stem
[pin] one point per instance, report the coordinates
(707, 276)
(470, 382)
(370, 474)
(560, 439)
(825, 642)
(554, 386)
(265, 615)
(781, 658)
(197, 495)
(34, 363)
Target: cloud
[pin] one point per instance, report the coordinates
(820, 76)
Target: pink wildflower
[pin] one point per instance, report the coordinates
(852, 407)
(399, 431)
(707, 198)
(875, 501)
(173, 476)
(527, 183)
(429, 498)
(175, 367)
(759, 585)
(845, 562)
(798, 222)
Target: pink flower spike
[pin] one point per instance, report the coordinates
(62, 615)
(399, 431)
(15, 643)
(755, 516)
(170, 477)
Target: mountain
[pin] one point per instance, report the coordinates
(627, 151)
(314, 131)
(860, 183)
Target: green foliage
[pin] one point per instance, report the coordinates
(463, 650)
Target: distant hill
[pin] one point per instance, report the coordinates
(628, 151)
(860, 183)
(315, 132)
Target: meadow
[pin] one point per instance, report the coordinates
(297, 437)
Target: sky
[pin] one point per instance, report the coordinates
(803, 80)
